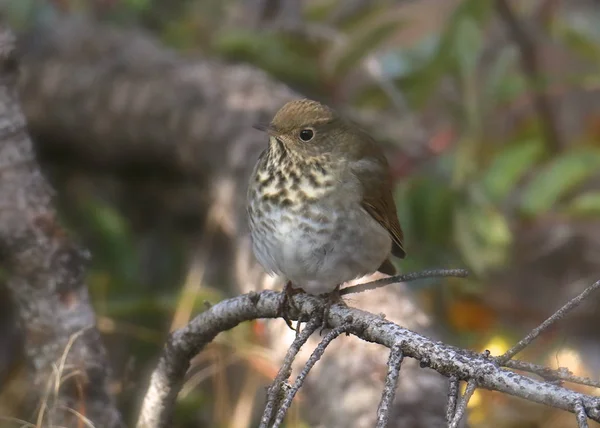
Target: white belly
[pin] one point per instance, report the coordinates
(318, 254)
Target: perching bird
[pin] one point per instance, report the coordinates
(320, 204)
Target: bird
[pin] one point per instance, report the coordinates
(320, 205)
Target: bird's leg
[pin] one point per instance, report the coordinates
(332, 298)
(287, 301)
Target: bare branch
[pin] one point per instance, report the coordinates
(580, 414)
(548, 374)
(523, 343)
(452, 398)
(183, 344)
(391, 384)
(274, 393)
(315, 356)
(531, 70)
(462, 405)
(413, 276)
(449, 361)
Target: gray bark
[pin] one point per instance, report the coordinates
(480, 370)
(46, 277)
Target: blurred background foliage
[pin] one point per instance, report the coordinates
(501, 141)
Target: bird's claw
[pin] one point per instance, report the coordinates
(331, 299)
(285, 303)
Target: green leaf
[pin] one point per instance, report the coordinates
(499, 80)
(139, 5)
(467, 46)
(586, 204)
(342, 58)
(557, 178)
(319, 11)
(509, 166)
(477, 9)
(578, 41)
(482, 236)
(465, 161)
(285, 57)
(427, 208)
(357, 19)
(421, 83)
(462, 40)
(114, 245)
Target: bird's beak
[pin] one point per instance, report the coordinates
(265, 127)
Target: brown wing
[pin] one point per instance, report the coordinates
(371, 168)
(377, 200)
(383, 210)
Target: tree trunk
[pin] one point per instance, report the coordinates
(66, 360)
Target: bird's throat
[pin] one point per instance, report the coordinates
(288, 177)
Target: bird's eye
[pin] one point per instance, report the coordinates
(306, 135)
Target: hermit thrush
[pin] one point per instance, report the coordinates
(320, 203)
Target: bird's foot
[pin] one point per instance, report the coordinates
(331, 299)
(286, 302)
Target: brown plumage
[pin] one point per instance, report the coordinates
(320, 201)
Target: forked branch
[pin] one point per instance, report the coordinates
(478, 370)
(274, 394)
(347, 327)
(461, 407)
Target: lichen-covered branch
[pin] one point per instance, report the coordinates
(183, 344)
(551, 375)
(461, 407)
(479, 370)
(46, 278)
(452, 398)
(580, 415)
(391, 384)
(274, 394)
(347, 327)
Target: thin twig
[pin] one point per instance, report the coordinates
(549, 374)
(274, 393)
(430, 273)
(573, 303)
(391, 384)
(315, 356)
(462, 405)
(452, 399)
(580, 414)
(531, 70)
